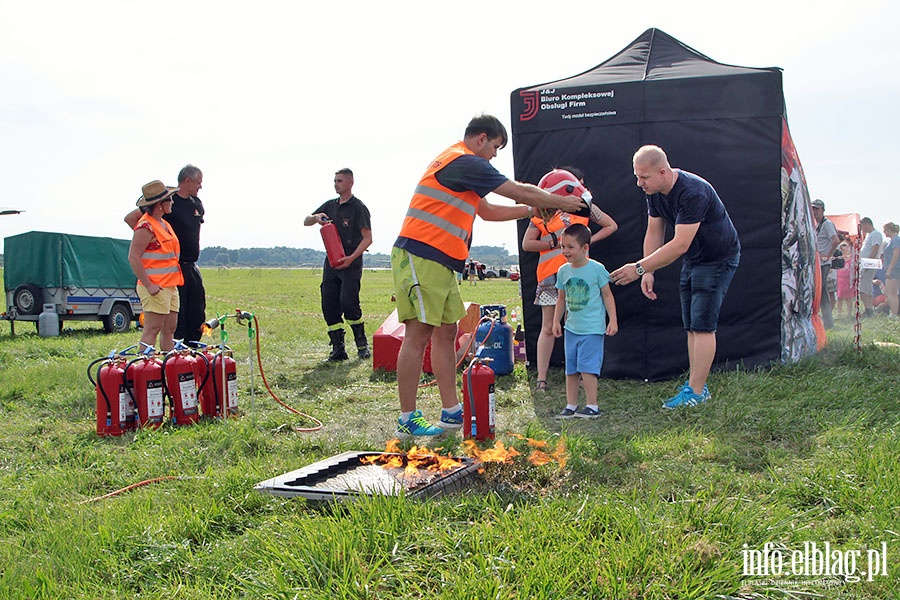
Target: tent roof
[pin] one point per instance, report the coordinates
(848, 223)
(654, 55)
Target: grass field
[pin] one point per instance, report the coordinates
(649, 504)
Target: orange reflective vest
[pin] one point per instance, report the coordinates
(437, 215)
(551, 260)
(161, 264)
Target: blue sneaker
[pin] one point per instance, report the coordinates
(416, 426)
(705, 393)
(451, 420)
(687, 397)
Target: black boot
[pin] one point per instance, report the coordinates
(359, 335)
(338, 352)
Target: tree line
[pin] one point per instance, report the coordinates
(282, 256)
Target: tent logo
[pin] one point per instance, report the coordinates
(531, 105)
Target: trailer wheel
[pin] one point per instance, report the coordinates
(118, 320)
(27, 299)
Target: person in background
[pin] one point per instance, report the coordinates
(153, 256)
(434, 243)
(340, 284)
(186, 217)
(708, 240)
(892, 268)
(543, 236)
(846, 292)
(827, 241)
(585, 296)
(871, 249)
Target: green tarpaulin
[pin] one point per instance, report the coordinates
(50, 260)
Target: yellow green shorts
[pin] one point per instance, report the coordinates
(164, 302)
(426, 291)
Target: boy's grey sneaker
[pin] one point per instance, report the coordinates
(586, 412)
(567, 413)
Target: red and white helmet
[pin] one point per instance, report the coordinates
(564, 183)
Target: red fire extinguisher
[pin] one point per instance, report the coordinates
(333, 246)
(213, 402)
(146, 373)
(113, 401)
(478, 400)
(180, 384)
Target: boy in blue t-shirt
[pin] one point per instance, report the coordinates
(581, 283)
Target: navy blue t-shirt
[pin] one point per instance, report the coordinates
(463, 174)
(693, 200)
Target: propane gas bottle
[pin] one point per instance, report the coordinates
(146, 373)
(112, 398)
(478, 401)
(179, 379)
(333, 246)
(496, 335)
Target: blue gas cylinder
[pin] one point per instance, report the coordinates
(498, 346)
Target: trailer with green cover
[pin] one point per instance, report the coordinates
(85, 278)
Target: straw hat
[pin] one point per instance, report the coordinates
(153, 192)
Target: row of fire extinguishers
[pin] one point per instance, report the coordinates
(132, 388)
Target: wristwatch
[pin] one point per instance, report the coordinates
(638, 269)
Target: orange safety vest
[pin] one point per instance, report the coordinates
(437, 215)
(161, 264)
(552, 259)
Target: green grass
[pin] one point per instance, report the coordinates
(650, 504)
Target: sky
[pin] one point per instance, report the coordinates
(270, 98)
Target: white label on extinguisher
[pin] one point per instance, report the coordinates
(188, 391)
(126, 407)
(491, 406)
(154, 400)
(232, 391)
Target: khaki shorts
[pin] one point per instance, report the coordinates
(163, 303)
(426, 291)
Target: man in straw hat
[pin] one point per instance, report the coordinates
(186, 217)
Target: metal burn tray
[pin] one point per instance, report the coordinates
(354, 474)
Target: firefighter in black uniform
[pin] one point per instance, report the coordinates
(186, 218)
(340, 285)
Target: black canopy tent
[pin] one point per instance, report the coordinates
(722, 122)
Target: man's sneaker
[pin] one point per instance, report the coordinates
(416, 426)
(567, 413)
(451, 420)
(587, 412)
(687, 397)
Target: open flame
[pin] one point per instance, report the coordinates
(205, 330)
(421, 458)
(417, 459)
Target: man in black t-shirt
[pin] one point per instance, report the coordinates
(340, 284)
(186, 218)
(708, 241)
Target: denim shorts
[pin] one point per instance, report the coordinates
(703, 288)
(584, 353)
